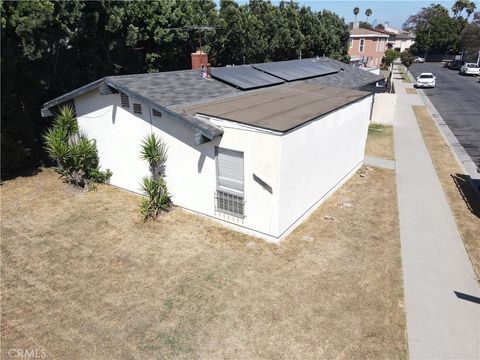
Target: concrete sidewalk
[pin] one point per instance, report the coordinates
(440, 323)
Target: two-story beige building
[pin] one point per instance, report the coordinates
(367, 46)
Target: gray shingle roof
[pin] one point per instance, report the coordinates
(349, 78)
(174, 87)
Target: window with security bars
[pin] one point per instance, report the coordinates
(229, 196)
(125, 100)
(137, 108)
(230, 203)
(156, 113)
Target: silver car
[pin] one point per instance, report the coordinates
(470, 69)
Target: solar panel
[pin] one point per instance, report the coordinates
(295, 69)
(244, 77)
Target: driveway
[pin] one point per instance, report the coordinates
(457, 99)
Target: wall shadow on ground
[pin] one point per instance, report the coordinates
(465, 186)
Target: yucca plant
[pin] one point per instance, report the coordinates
(158, 199)
(154, 151)
(57, 146)
(75, 154)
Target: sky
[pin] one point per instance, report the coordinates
(394, 11)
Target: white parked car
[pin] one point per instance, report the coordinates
(425, 80)
(419, 59)
(470, 69)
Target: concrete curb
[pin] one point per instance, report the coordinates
(463, 159)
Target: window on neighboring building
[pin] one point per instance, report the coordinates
(125, 100)
(137, 108)
(361, 45)
(350, 43)
(381, 45)
(156, 113)
(229, 196)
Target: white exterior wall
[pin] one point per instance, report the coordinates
(301, 167)
(384, 109)
(118, 134)
(190, 169)
(319, 157)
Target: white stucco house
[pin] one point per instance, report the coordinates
(258, 159)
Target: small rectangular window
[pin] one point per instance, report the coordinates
(137, 108)
(125, 100)
(156, 113)
(361, 45)
(230, 186)
(350, 43)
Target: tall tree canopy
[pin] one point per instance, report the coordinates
(435, 30)
(470, 41)
(51, 47)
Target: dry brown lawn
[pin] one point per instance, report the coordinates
(463, 201)
(84, 278)
(380, 142)
(411, 91)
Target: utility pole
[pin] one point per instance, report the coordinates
(428, 40)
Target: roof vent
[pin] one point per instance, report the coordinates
(125, 101)
(137, 108)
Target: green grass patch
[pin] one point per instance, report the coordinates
(376, 129)
(405, 78)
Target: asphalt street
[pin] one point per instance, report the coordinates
(457, 99)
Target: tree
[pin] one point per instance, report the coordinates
(435, 31)
(52, 47)
(365, 25)
(461, 5)
(35, 43)
(334, 36)
(356, 10)
(389, 57)
(470, 8)
(470, 41)
(380, 27)
(369, 13)
(230, 44)
(407, 58)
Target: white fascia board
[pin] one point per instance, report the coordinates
(236, 125)
(369, 36)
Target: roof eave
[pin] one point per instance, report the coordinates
(208, 131)
(70, 95)
(211, 135)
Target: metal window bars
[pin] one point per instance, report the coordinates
(230, 203)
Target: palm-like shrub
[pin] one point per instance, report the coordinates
(158, 199)
(154, 151)
(75, 154)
